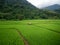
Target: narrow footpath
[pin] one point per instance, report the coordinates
(22, 37)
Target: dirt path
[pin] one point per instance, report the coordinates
(22, 37)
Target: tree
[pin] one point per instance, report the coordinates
(2, 2)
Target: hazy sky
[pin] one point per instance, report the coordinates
(43, 3)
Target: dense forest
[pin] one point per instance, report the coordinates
(22, 9)
(57, 10)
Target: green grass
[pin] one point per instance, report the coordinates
(9, 37)
(41, 32)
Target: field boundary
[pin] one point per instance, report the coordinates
(22, 37)
(47, 28)
(20, 34)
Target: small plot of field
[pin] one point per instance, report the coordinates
(40, 36)
(9, 37)
(39, 32)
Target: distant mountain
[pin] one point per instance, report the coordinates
(16, 4)
(53, 7)
(19, 3)
(22, 9)
(57, 10)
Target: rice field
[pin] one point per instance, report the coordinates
(33, 32)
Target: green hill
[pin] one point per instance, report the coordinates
(22, 9)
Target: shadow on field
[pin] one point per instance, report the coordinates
(47, 28)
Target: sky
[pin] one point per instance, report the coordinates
(43, 3)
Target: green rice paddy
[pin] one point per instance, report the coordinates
(39, 32)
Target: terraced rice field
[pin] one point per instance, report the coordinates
(39, 32)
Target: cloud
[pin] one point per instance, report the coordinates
(43, 3)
